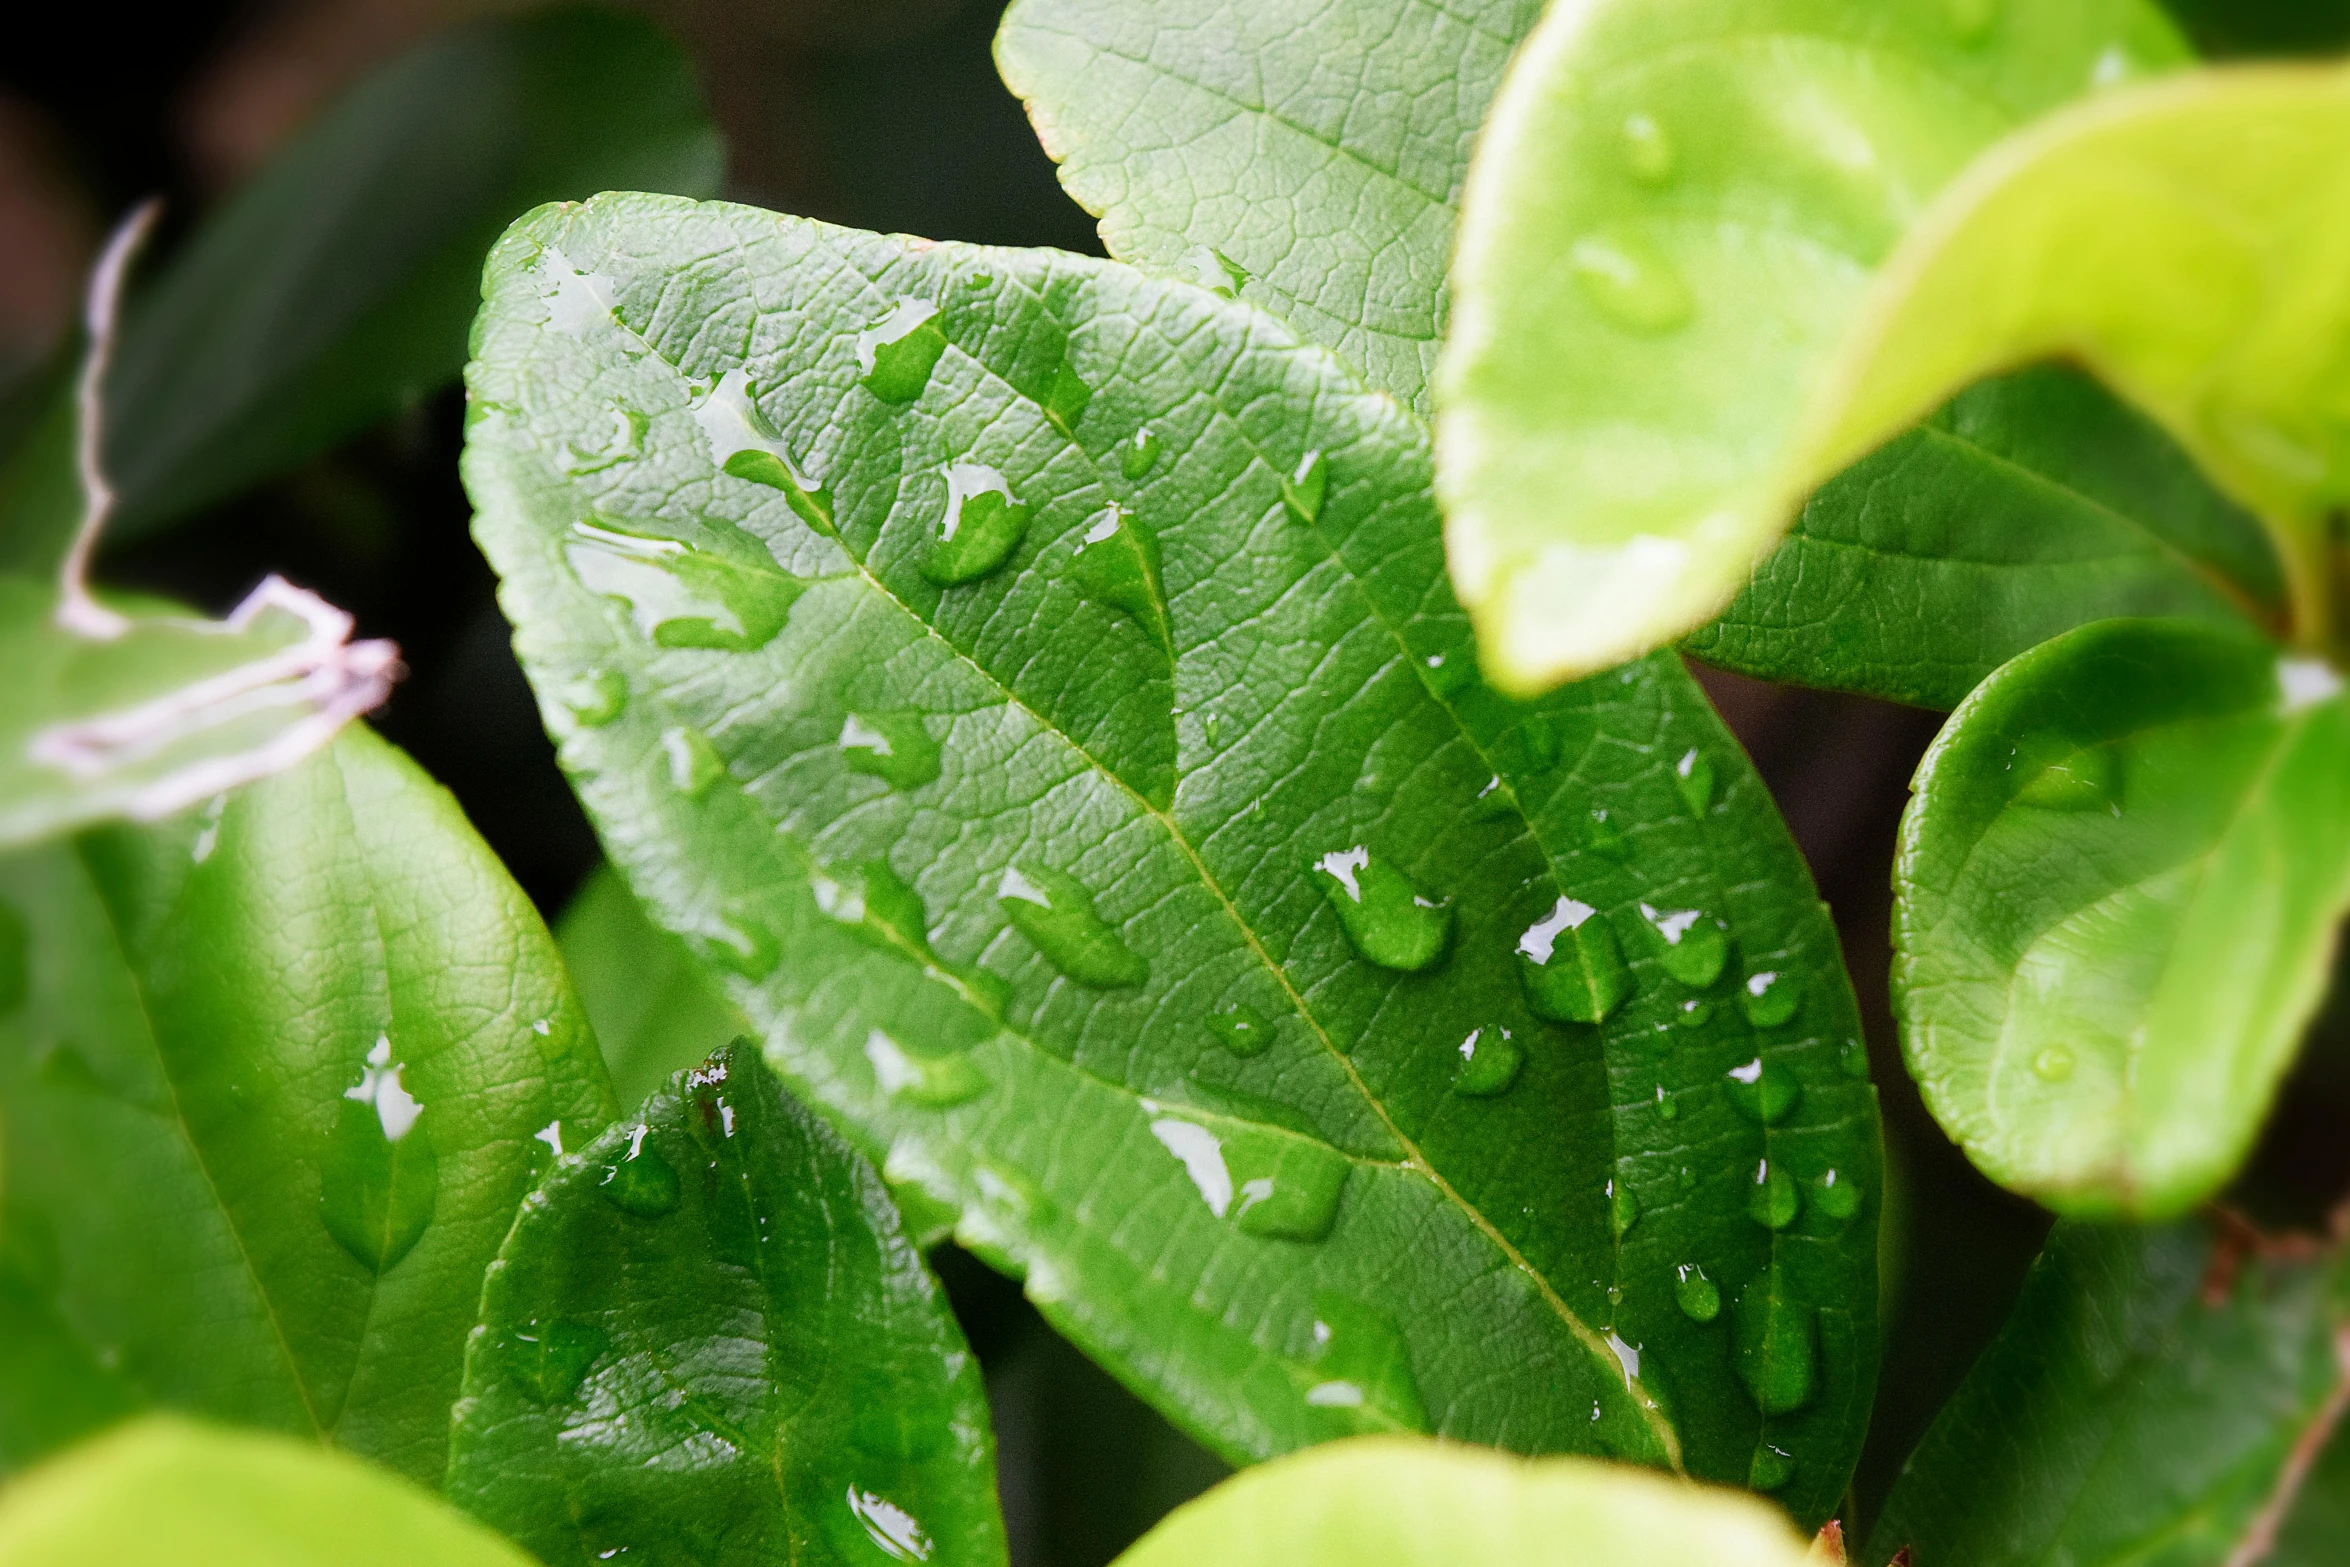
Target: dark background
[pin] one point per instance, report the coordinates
(887, 115)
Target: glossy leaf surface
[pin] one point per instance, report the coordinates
(1304, 154)
(2152, 1400)
(757, 1368)
(1393, 1502)
(1085, 978)
(166, 1490)
(652, 1006)
(1677, 214)
(273, 1075)
(2116, 900)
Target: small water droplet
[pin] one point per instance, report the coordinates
(1693, 776)
(1971, 20)
(1700, 1299)
(1853, 1057)
(745, 445)
(1623, 1207)
(597, 699)
(694, 764)
(1117, 564)
(1302, 490)
(933, 1081)
(1773, 1200)
(1603, 836)
(2084, 781)
(1763, 1092)
(1490, 1060)
(1267, 1181)
(1773, 1343)
(1648, 149)
(980, 527)
(2054, 1064)
(1358, 1370)
(1056, 913)
(1139, 455)
(1381, 912)
(380, 1178)
(1835, 1196)
(551, 1358)
(1690, 944)
(1626, 279)
(894, 745)
(1770, 998)
(639, 1180)
(1570, 967)
(1694, 1013)
(897, 353)
(681, 595)
(1065, 398)
(1212, 730)
(623, 438)
(1216, 272)
(1770, 1471)
(874, 900)
(893, 1531)
(1668, 1108)
(1687, 1177)
(1495, 802)
(1242, 1029)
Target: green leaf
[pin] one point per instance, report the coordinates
(648, 1000)
(2116, 898)
(1084, 981)
(758, 1370)
(2026, 506)
(2153, 1399)
(165, 1490)
(1676, 217)
(273, 1082)
(1304, 154)
(1393, 1502)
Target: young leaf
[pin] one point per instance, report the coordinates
(1392, 1502)
(274, 1079)
(1201, 975)
(709, 1338)
(649, 1001)
(1303, 154)
(2116, 900)
(1673, 221)
(2152, 1398)
(165, 1490)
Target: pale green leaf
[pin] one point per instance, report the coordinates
(653, 1007)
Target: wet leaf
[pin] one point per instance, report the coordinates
(652, 1006)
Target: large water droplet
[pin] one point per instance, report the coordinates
(1648, 149)
(1773, 1341)
(1064, 399)
(2084, 781)
(1835, 1196)
(1604, 836)
(893, 745)
(1570, 966)
(1056, 913)
(1773, 1200)
(1216, 272)
(1699, 1298)
(897, 353)
(1381, 912)
(2053, 1064)
(1241, 1029)
(1626, 279)
(1359, 1370)
(981, 525)
(1763, 1091)
(891, 1530)
(876, 902)
(1117, 564)
(744, 444)
(933, 1081)
(1139, 455)
(578, 303)
(380, 1178)
(1770, 1471)
(551, 1358)
(1266, 1181)
(1623, 1207)
(1693, 776)
(680, 595)
(1770, 998)
(597, 699)
(639, 1181)
(1490, 1060)
(1690, 944)
(694, 764)
(1302, 490)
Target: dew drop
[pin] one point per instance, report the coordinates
(1763, 1092)
(551, 1358)
(597, 699)
(1698, 1296)
(893, 1531)
(1835, 1196)
(1691, 945)
(1382, 913)
(1570, 967)
(894, 746)
(1064, 400)
(977, 532)
(1497, 801)
(680, 595)
(1358, 1370)
(1241, 1029)
(1623, 1207)
(2084, 781)
(1773, 1345)
(1216, 272)
(1693, 775)
(1631, 284)
(1489, 1063)
(639, 1181)
(1694, 1013)
(1770, 1471)
(745, 445)
(1303, 489)
(1648, 149)
(1117, 564)
(874, 901)
(1774, 1199)
(1853, 1057)
(380, 1179)
(1139, 455)
(1266, 1181)
(933, 1081)
(1668, 1108)
(694, 764)
(1603, 836)
(1688, 1178)
(1770, 998)
(1055, 912)
(897, 353)
(2054, 1064)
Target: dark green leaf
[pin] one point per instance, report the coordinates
(651, 1004)
(272, 1087)
(758, 1370)
(1087, 987)
(2116, 899)
(2152, 1400)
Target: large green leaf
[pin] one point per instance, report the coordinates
(709, 1339)
(164, 1490)
(2116, 900)
(2152, 1402)
(653, 1007)
(274, 1079)
(1307, 154)
(1153, 904)
(1676, 215)
(1394, 1502)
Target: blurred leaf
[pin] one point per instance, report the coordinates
(1395, 1502)
(709, 1339)
(2116, 902)
(273, 1073)
(2314, 1528)
(1125, 862)
(1677, 215)
(651, 1004)
(166, 1490)
(2150, 1402)
(2264, 26)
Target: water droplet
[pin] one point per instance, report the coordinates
(1055, 912)
(2084, 781)
(639, 1181)
(1358, 1368)
(875, 901)
(1302, 490)
(977, 532)
(577, 302)
(1139, 455)
(934, 1081)
(694, 764)
(1631, 284)
(1700, 1299)
(681, 595)
(1668, 1108)
(1853, 1057)
(1064, 399)
(623, 439)
(2054, 1064)
(2303, 683)
(1497, 801)
(1772, 1337)
(1770, 998)
(1694, 1013)
(1381, 912)
(893, 1531)
(1971, 20)
(550, 1359)
(1117, 564)
(745, 445)
(1490, 1060)
(1770, 1471)
(897, 353)
(1242, 1029)
(1691, 945)
(380, 1179)
(1648, 150)
(1687, 1177)
(1623, 1207)
(15, 960)
(597, 699)
(1216, 272)
(1570, 966)
(1693, 775)
(1211, 729)
(1763, 1092)
(1267, 1181)
(894, 746)
(1603, 836)
(1448, 674)
(1835, 1196)
(742, 944)
(1773, 1200)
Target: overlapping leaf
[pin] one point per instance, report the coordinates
(1037, 686)
(653, 1007)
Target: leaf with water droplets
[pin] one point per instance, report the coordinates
(283, 1069)
(2115, 906)
(1169, 1024)
(761, 1372)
